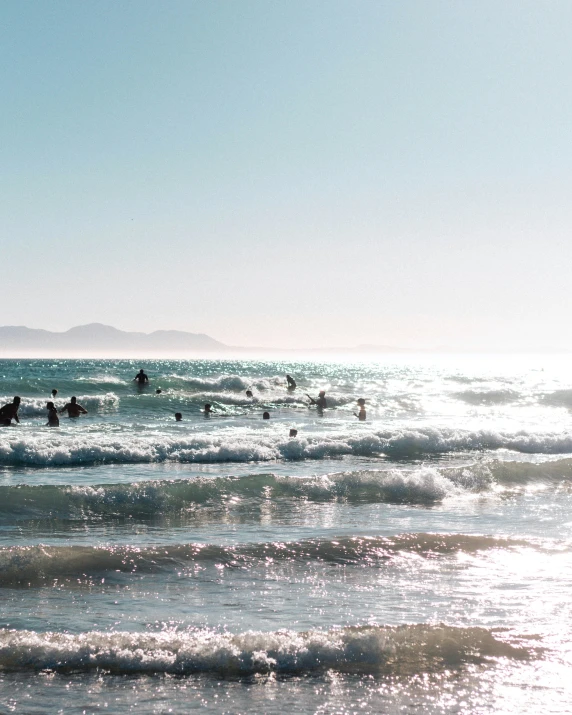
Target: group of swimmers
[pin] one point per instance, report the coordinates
(320, 402)
(9, 411)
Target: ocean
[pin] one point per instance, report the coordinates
(417, 562)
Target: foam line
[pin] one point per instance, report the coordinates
(367, 649)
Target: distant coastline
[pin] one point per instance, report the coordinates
(104, 341)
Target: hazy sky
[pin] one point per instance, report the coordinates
(285, 173)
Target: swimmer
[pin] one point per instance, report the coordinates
(249, 393)
(10, 412)
(291, 382)
(54, 393)
(362, 414)
(53, 419)
(208, 411)
(158, 391)
(293, 433)
(266, 415)
(320, 402)
(178, 416)
(141, 378)
(73, 408)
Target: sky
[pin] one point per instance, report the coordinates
(290, 173)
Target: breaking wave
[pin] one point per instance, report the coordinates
(230, 383)
(152, 498)
(359, 649)
(487, 397)
(558, 398)
(55, 448)
(38, 565)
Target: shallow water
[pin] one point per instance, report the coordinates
(418, 562)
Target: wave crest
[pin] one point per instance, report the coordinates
(38, 565)
(359, 649)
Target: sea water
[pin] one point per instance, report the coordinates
(419, 561)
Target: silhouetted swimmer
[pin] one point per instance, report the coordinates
(291, 382)
(141, 378)
(208, 411)
(54, 393)
(249, 393)
(10, 412)
(53, 419)
(73, 408)
(178, 416)
(320, 402)
(293, 433)
(266, 415)
(158, 391)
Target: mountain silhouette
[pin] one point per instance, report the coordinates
(98, 340)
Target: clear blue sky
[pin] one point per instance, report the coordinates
(289, 173)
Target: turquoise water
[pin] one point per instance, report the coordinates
(417, 562)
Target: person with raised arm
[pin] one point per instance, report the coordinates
(320, 402)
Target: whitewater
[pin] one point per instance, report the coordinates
(420, 561)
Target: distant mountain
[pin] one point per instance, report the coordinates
(97, 340)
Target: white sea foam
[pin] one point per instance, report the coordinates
(229, 383)
(366, 649)
(61, 448)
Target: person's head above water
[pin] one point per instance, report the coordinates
(178, 416)
(266, 416)
(293, 432)
(16, 400)
(322, 393)
(249, 393)
(54, 392)
(207, 407)
(50, 406)
(140, 371)
(73, 400)
(158, 391)
(361, 401)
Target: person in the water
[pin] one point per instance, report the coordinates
(249, 393)
(320, 402)
(291, 382)
(208, 410)
(54, 393)
(73, 408)
(293, 432)
(141, 378)
(361, 415)
(178, 416)
(266, 415)
(10, 412)
(53, 419)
